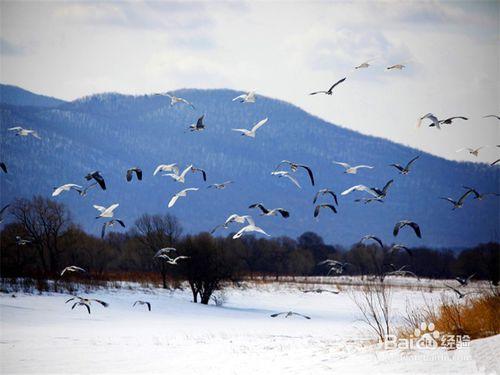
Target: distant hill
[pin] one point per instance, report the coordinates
(112, 132)
(14, 95)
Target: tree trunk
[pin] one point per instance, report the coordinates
(54, 264)
(164, 279)
(194, 291)
(206, 292)
(205, 297)
(39, 248)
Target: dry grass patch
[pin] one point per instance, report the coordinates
(476, 315)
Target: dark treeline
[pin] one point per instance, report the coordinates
(57, 242)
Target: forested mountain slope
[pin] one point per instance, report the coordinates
(112, 132)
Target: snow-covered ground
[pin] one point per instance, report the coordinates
(41, 334)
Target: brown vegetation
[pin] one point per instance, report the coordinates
(476, 316)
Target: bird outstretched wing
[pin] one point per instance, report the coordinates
(318, 92)
(337, 83)
(398, 167)
(411, 162)
(242, 96)
(259, 124)
(387, 185)
(345, 165)
(283, 212)
(260, 206)
(374, 238)
(295, 182)
(309, 172)
(99, 208)
(318, 207)
(360, 188)
(173, 200)
(199, 123)
(465, 195)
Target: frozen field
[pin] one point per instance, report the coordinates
(41, 334)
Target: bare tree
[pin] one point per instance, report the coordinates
(374, 303)
(155, 232)
(45, 222)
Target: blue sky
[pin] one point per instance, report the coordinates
(280, 49)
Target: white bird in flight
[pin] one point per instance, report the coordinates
(83, 192)
(249, 97)
(234, 218)
(165, 251)
(85, 302)
(111, 223)
(166, 168)
(180, 177)
(366, 64)
(251, 133)
(21, 241)
(493, 116)
(148, 304)
(175, 99)
(430, 116)
(351, 170)
(360, 188)
(72, 269)
(288, 314)
(397, 66)
(174, 261)
(460, 202)
(220, 186)
(287, 175)
(379, 194)
(295, 166)
(406, 169)
(181, 193)
(66, 187)
(251, 227)
(330, 90)
(81, 303)
(169, 260)
(472, 151)
(334, 265)
(106, 211)
(265, 212)
(24, 132)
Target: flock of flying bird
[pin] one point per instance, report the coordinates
(285, 169)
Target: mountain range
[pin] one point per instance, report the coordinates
(112, 132)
